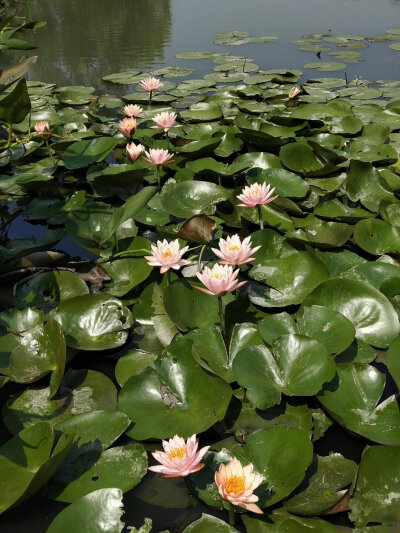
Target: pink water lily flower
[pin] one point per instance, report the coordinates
(134, 151)
(42, 129)
(233, 251)
(158, 156)
(179, 458)
(167, 255)
(165, 121)
(133, 110)
(127, 126)
(151, 84)
(256, 194)
(236, 484)
(219, 279)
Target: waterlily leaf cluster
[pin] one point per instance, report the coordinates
(102, 356)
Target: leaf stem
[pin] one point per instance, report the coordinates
(221, 316)
(260, 220)
(121, 254)
(200, 257)
(232, 518)
(150, 95)
(9, 129)
(50, 154)
(158, 177)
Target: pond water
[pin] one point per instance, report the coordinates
(86, 39)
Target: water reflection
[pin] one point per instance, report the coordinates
(84, 40)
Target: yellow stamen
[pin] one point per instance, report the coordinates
(234, 484)
(166, 254)
(233, 248)
(176, 452)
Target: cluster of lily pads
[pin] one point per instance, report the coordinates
(307, 341)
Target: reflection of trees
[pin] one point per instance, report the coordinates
(87, 39)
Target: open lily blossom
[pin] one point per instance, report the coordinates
(133, 110)
(233, 251)
(42, 129)
(256, 194)
(167, 255)
(236, 484)
(179, 458)
(151, 84)
(158, 156)
(219, 279)
(133, 151)
(165, 121)
(127, 125)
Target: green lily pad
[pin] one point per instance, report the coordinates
(27, 462)
(122, 467)
(326, 326)
(369, 310)
(352, 400)
(82, 153)
(169, 399)
(80, 391)
(281, 454)
(290, 279)
(188, 198)
(297, 366)
(376, 236)
(97, 512)
(209, 524)
(281, 520)
(376, 496)
(94, 321)
(325, 487)
(325, 66)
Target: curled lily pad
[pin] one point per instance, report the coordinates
(94, 321)
(80, 391)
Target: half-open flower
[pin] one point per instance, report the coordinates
(167, 255)
(127, 126)
(233, 251)
(133, 110)
(256, 194)
(158, 156)
(164, 121)
(42, 129)
(179, 458)
(133, 151)
(294, 91)
(151, 84)
(219, 279)
(236, 484)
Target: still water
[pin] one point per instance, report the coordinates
(87, 39)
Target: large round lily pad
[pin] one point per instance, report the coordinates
(176, 397)
(372, 314)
